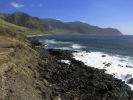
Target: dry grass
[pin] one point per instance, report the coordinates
(6, 47)
(21, 76)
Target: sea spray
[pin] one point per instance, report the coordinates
(118, 66)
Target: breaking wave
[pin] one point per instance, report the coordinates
(120, 67)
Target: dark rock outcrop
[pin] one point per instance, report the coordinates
(130, 81)
(78, 80)
(103, 55)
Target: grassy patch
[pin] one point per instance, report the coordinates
(8, 28)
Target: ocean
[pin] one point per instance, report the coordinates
(112, 53)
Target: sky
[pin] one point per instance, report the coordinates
(103, 13)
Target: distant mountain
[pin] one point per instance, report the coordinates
(25, 20)
(56, 26)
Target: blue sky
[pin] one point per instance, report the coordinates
(103, 13)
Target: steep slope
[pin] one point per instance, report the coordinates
(94, 30)
(19, 79)
(57, 26)
(6, 26)
(25, 20)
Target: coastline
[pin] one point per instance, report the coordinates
(118, 66)
(38, 73)
(71, 78)
(30, 36)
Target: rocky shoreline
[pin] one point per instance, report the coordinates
(74, 80)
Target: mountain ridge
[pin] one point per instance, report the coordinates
(78, 27)
(54, 26)
(25, 20)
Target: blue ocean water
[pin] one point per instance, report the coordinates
(122, 45)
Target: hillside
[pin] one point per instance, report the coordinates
(56, 26)
(6, 26)
(19, 78)
(25, 20)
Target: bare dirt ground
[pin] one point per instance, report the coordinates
(5, 66)
(18, 75)
(5, 48)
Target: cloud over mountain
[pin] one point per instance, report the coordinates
(16, 5)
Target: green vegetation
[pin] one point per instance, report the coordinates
(56, 26)
(6, 26)
(25, 20)
(18, 64)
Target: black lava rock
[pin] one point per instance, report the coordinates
(103, 55)
(78, 80)
(130, 81)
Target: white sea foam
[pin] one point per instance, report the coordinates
(52, 41)
(66, 61)
(77, 46)
(120, 67)
(64, 48)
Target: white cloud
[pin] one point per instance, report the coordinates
(84, 21)
(16, 5)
